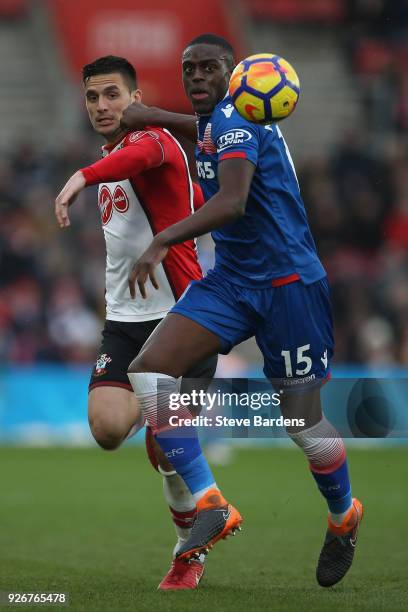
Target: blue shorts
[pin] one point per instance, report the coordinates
(292, 324)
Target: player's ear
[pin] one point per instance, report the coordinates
(136, 95)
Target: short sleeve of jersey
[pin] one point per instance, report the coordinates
(233, 136)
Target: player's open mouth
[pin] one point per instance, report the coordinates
(104, 121)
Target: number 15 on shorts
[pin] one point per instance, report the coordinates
(303, 362)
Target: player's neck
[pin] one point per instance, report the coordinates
(115, 138)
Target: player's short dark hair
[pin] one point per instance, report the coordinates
(217, 41)
(109, 64)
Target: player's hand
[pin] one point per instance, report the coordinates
(144, 267)
(67, 196)
(136, 117)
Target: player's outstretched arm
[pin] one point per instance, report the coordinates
(227, 205)
(67, 196)
(137, 116)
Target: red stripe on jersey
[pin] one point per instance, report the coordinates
(232, 155)
(285, 280)
(164, 193)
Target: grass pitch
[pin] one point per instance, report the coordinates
(94, 524)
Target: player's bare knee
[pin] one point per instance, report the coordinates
(104, 440)
(105, 432)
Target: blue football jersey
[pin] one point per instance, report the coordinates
(272, 240)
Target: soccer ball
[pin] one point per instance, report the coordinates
(264, 88)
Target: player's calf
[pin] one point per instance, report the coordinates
(326, 454)
(181, 575)
(215, 517)
(177, 495)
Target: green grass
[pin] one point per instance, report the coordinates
(95, 525)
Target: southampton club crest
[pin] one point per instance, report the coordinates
(101, 363)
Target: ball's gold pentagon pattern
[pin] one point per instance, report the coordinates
(263, 77)
(284, 104)
(250, 107)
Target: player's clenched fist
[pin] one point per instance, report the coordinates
(67, 196)
(135, 117)
(144, 267)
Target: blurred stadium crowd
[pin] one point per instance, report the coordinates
(356, 195)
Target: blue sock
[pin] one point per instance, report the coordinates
(185, 454)
(335, 487)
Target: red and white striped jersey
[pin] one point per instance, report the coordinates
(144, 187)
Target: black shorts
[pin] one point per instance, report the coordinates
(121, 342)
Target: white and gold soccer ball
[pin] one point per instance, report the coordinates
(264, 88)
